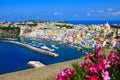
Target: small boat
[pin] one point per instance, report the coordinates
(30, 43)
(53, 46)
(46, 48)
(59, 42)
(40, 44)
(51, 49)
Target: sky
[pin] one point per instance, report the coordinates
(18, 10)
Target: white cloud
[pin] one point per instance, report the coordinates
(116, 13)
(100, 11)
(88, 14)
(109, 9)
(57, 13)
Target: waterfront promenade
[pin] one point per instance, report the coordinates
(38, 50)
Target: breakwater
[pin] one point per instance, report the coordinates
(38, 50)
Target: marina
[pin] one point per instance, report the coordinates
(38, 50)
(17, 57)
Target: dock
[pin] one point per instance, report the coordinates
(38, 50)
(35, 64)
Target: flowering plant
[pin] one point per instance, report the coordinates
(96, 66)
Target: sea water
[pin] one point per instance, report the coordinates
(14, 58)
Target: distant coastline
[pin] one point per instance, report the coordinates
(8, 39)
(88, 22)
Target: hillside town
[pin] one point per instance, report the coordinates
(84, 36)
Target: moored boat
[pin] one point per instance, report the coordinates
(55, 47)
(46, 48)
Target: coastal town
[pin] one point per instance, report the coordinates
(80, 35)
(59, 39)
(33, 34)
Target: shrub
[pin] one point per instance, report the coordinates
(96, 66)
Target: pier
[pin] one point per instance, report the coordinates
(38, 50)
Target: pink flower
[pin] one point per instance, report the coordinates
(65, 74)
(106, 64)
(97, 54)
(99, 66)
(90, 77)
(103, 64)
(87, 56)
(86, 76)
(113, 58)
(86, 65)
(93, 77)
(94, 68)
(112, 55)
(105, 75)
(98, 48)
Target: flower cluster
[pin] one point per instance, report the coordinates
(66, 74)
(96, 66)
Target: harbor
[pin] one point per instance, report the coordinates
(50, 43)
(38, 50)
(53, 42)
(18, 56)
(59, 40)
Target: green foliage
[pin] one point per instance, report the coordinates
(114, 73)
(98, 66)
(31, 25)
(67, 26)
(9, 32)
(78, 72)
(104, 50)
(118, 52)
